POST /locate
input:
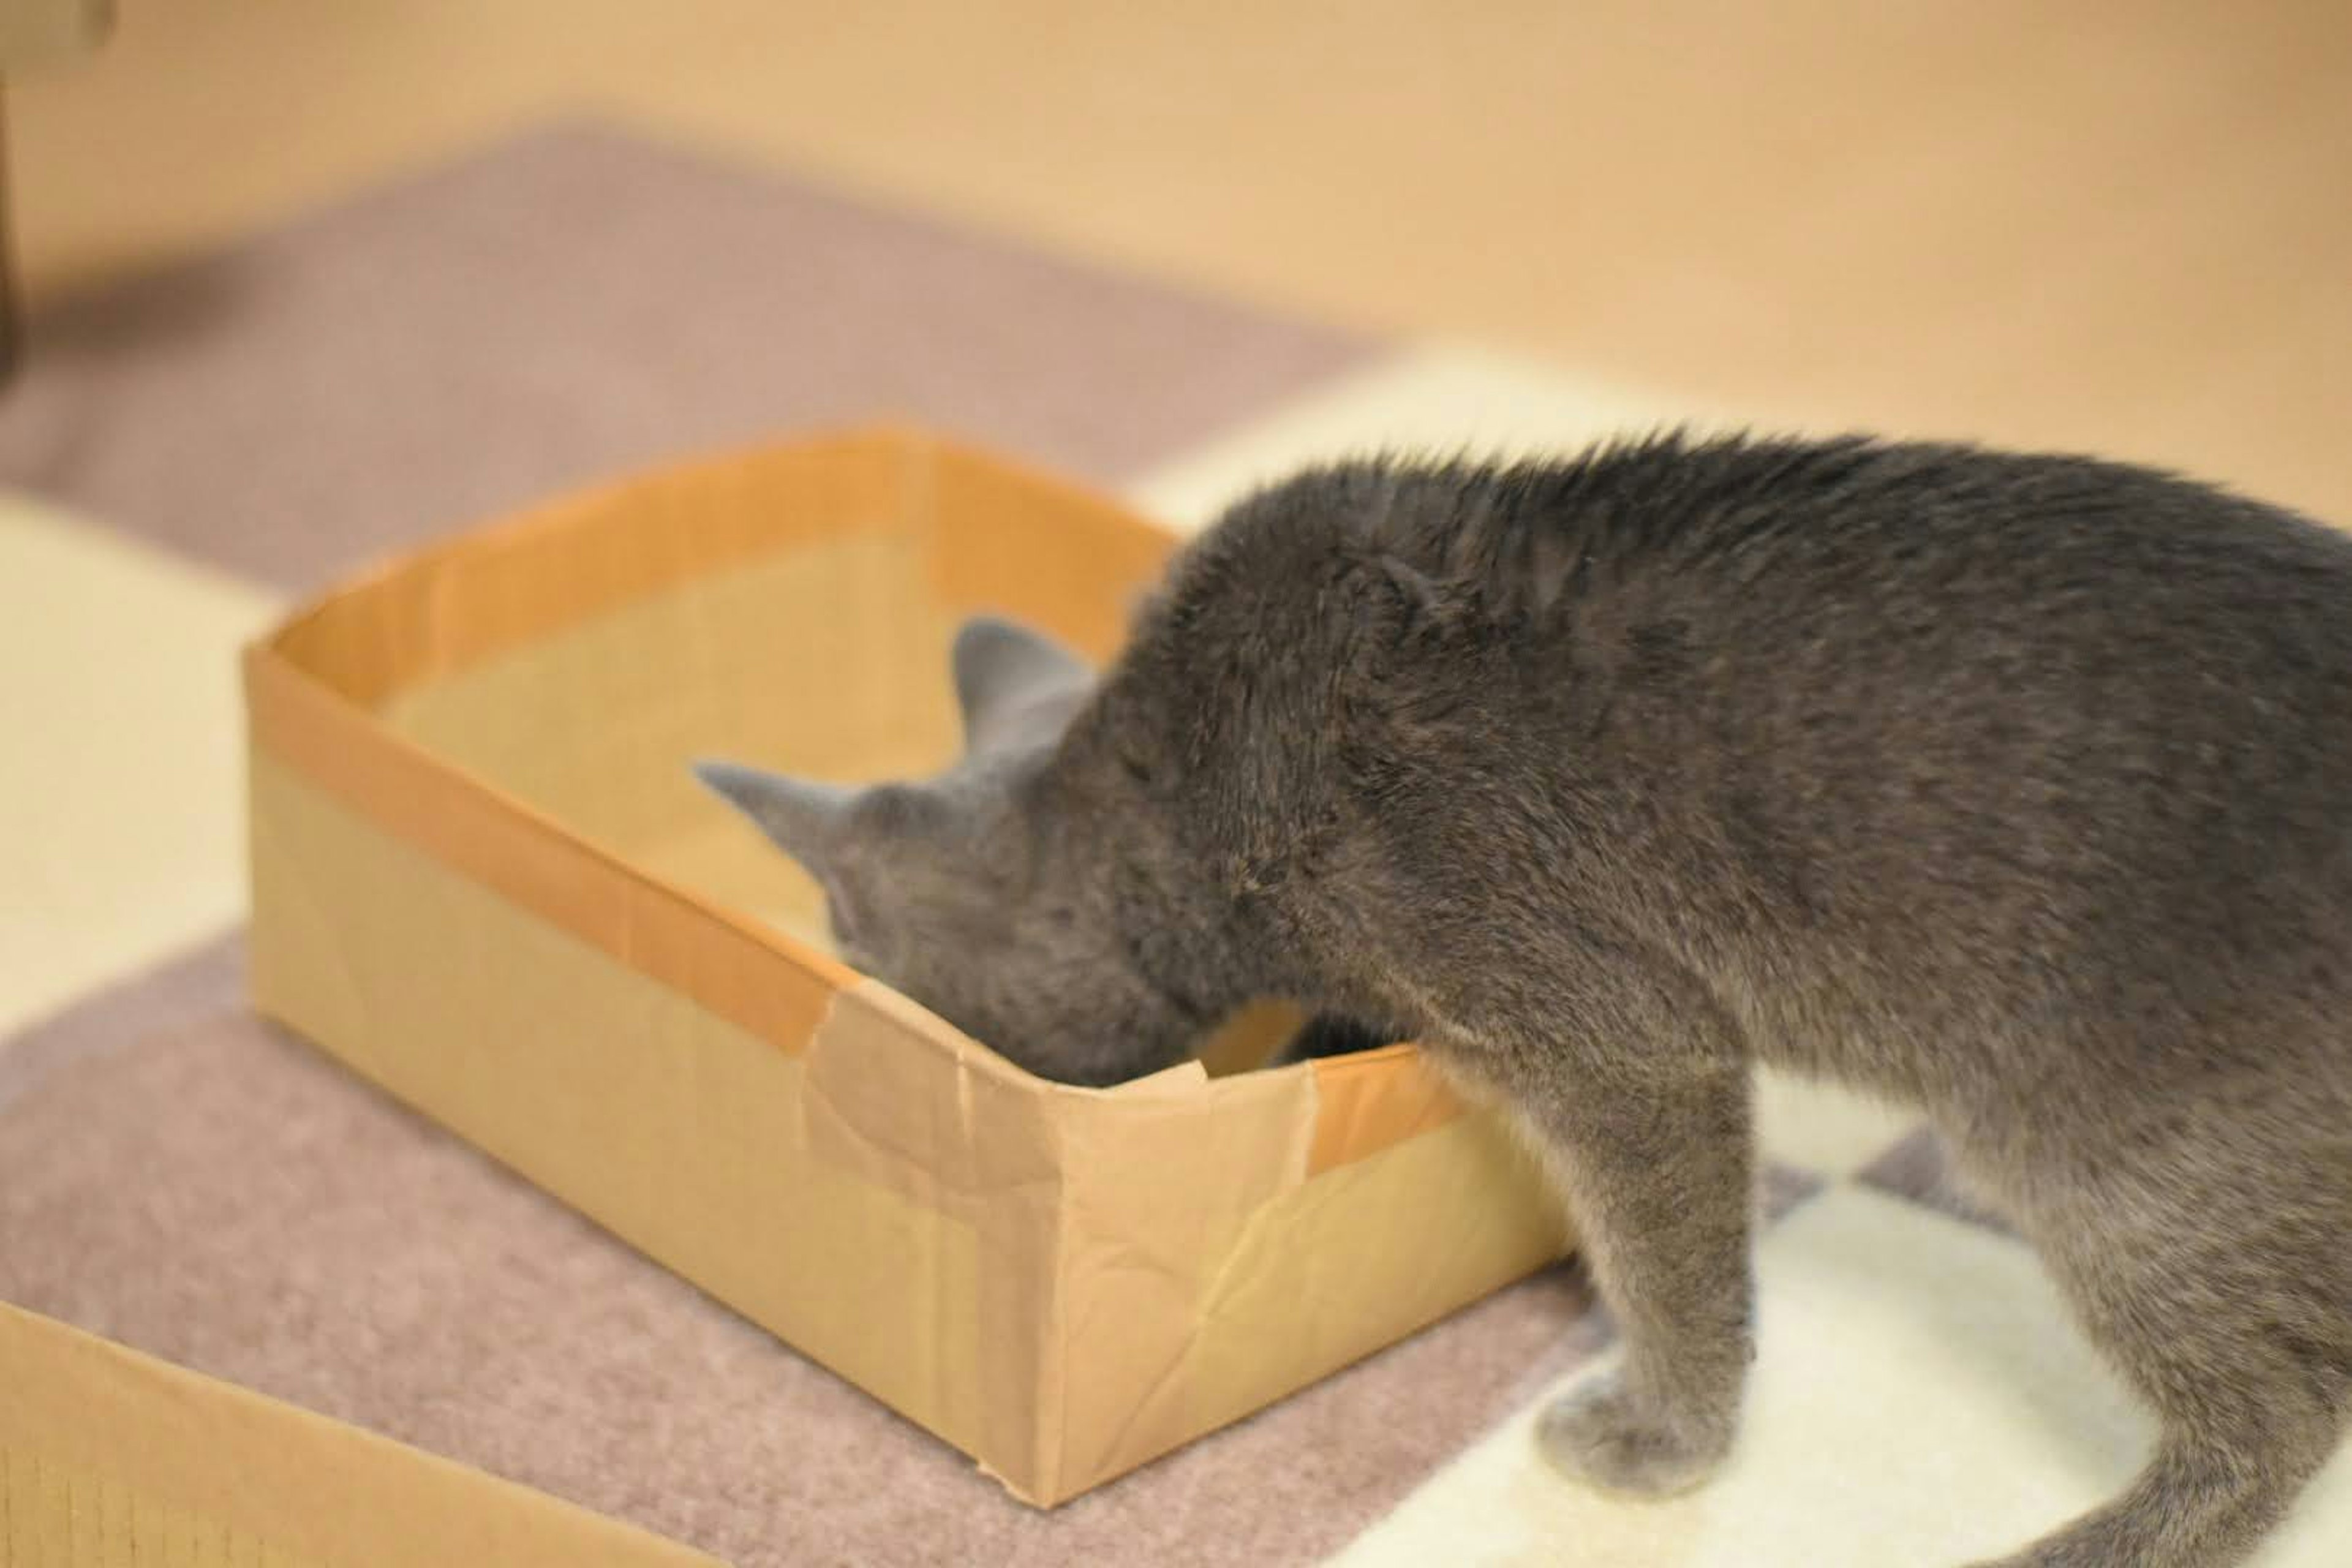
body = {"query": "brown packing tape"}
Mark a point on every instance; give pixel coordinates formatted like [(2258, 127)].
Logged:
[(978, 1144), (425, 616), (108, 1457)]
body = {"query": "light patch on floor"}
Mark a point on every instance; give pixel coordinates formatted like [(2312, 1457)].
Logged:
[(1823, 1127), (1432, 399), (1921, 1397), (120, 776)]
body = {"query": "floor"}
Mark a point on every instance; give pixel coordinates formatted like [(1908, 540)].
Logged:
[(2112, 224), (288, 261)]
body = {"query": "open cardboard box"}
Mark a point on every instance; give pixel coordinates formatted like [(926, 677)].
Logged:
[(484, 878)]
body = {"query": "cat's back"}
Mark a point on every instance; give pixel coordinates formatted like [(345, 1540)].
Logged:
[(1953, 548), (1875, 535), (1915, 587), (1973, 719)]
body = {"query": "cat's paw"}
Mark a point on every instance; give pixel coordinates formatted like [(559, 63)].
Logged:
[(1601, 1435)]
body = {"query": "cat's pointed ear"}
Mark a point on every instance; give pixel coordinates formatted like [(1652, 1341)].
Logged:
[(799, 814), (1005, 673)]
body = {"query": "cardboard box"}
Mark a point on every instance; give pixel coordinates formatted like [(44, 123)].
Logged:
[(484, 878), (110, 1458)]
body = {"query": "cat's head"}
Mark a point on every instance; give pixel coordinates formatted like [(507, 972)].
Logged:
[(991, 893)]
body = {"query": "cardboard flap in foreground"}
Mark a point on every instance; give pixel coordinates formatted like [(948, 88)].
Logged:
[(108, 1457)]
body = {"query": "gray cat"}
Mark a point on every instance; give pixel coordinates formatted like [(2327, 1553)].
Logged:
[(2016, 789)]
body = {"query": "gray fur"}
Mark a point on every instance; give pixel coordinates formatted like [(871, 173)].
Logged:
[(2011, 788), (803, 818), (1015, 689)]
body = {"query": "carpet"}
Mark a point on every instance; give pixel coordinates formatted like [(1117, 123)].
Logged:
[(186, 450)]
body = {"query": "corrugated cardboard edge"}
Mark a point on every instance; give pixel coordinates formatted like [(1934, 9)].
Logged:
[(110, 1457)]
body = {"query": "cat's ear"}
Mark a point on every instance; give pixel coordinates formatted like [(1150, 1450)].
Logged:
[(1004, 673), (802, 816)]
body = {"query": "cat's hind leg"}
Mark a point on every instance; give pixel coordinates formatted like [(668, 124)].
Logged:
[(2221, 1288)]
